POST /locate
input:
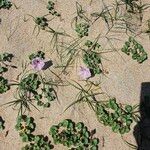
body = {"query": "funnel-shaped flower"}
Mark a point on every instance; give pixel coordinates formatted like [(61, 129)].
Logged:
[(38, 63), (84, 73)]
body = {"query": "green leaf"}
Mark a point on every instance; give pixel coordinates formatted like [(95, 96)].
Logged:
[(53, 129), (94, 148), (65, 123), (129, 122), (87, 134), (115, 128), (25, 138), (122, 130), (79, 125), (128, 108), (47, 105), (95, 142), (85, 141)]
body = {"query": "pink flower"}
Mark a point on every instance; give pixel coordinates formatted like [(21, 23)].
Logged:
[(37, 63), (84, 73)]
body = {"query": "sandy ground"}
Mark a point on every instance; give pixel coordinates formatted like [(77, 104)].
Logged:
[(123, 81)]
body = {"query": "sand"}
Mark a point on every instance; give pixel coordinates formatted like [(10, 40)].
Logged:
[(123, 80)]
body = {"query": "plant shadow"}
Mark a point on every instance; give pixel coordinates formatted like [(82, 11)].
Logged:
[(47, 65), (142, 129)]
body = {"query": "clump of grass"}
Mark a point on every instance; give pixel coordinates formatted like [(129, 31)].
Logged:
[(122, 20), (81, 50), (130, 4), (86, 94), (134, 9), (135, 49), (116, 17), (42, 23), (106, 15), (110, 113), (73, 135), (135, 6), (81, 14), (69, 54), (27, 86), (31, 88)]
